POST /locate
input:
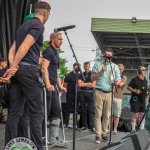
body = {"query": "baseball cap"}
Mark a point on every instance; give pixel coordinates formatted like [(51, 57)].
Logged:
[(142, 68)]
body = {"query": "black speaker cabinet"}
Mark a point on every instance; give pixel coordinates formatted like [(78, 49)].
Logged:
[(140, 140), (128, 143), (114, 146)]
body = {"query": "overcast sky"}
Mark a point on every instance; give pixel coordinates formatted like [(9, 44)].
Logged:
[(79, 13)]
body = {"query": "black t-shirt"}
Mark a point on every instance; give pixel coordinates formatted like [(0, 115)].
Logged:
[(35, 28), (137, 83), (52, 56), (87, 77), (71, 80), (2, 71)]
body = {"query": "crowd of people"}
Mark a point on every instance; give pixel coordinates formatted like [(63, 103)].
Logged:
[(27, 71)]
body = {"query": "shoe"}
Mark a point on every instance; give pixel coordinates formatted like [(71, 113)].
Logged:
[(97, 140), (84, 129), (133, 131), (44, 141), (65, 126), (105, 138), (57, 143), (93, 130), (115, 132)]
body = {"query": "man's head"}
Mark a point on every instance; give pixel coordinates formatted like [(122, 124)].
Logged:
[(56, 40), (121, 68), (87, 66), (42, 10), (142, 71), (3, 62), (75, 67), (108, 53)]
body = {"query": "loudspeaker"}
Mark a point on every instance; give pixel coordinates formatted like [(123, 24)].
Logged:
[(128, 143), (140, 140), (114, 146)]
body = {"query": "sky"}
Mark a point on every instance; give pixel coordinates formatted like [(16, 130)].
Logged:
[(79, 13)]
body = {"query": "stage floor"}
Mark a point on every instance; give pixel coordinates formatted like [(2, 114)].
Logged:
[(84, 140)]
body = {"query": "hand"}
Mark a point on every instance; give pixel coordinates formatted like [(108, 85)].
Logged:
[(138, 91), (6, 76), (50, 87), (13, 71), (104, 68), (63, 89)]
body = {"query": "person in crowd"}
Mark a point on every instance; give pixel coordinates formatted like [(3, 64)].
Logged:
[(70, 84), (105, 73), (117, 101), (49, 69), (3, 96), (25, 83), (86, 98), (138, 88)]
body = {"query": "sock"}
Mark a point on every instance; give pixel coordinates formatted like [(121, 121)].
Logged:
[(133, 126), (142, 126)]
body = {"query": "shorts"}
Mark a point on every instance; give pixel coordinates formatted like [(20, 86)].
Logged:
[(138, 106), (117, 106)]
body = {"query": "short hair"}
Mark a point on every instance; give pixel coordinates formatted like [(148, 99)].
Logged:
[(3, 60), (41, 6), (86, 63), (121, 65), (109, 50), (54, 35), (76, 64)]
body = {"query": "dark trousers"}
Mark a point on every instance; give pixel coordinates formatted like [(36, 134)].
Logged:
[(87, 106), (53, 106), (69, 106), (26, 88), (2, 93)]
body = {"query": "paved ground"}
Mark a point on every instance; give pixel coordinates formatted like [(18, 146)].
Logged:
[(84, 140)]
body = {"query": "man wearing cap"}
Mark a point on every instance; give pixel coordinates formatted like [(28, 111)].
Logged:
[(138, 88)]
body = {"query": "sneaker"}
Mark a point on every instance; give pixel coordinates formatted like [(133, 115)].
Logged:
[(65, 126), (44, 141), (84, 129), (115, 132), (97, 140), (133, 131), (57, 143), (93, 130), (105, 138)]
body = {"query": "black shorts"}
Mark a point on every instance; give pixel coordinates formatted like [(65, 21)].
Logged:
[(138, 106)]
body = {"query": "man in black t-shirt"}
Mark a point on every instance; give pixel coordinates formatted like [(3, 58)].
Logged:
[(138, 87), (86, 98), (70, 84), (49, 68), (25, 85)]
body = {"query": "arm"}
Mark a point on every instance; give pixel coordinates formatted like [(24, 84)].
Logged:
[(23, 49), (11, 54), (133, 90), (63, 89), (45, 75), (94, 77), (89, 84)]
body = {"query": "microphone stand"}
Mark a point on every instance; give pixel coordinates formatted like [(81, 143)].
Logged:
[(113, 85), (76, 90), (146, 110)]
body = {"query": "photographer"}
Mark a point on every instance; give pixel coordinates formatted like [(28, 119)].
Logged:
[(138, 87)]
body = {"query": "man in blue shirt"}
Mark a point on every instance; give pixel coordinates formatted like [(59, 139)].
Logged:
[(24, 58), (105, 73)]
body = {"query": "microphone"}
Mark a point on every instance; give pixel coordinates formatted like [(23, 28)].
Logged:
[(64, 28), (108, 57)]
